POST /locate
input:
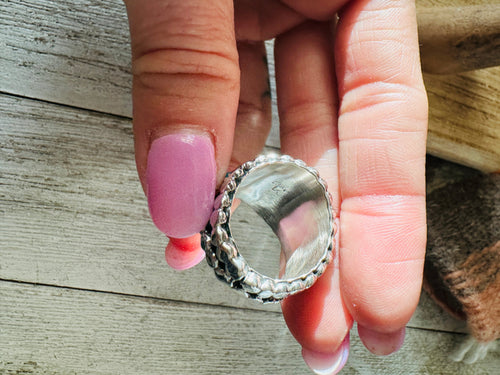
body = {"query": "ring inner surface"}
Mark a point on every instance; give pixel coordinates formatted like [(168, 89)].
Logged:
[(280, 220)]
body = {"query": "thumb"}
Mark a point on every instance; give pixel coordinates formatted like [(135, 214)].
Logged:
[(185, 96)]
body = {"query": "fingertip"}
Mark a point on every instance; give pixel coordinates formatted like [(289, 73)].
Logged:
[(327, 363), (382, 257), (317, 317), (184, 253), (381, 343)]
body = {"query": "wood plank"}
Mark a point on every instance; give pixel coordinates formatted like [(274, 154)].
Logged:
[(55, 330), (70, 52), (73, 214), (50, 330)]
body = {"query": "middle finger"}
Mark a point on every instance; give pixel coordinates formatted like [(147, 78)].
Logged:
[(307, 101)]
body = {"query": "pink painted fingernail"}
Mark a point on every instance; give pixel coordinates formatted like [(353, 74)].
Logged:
[(184, 253), (181, 183), (327, 363), (381, 343)]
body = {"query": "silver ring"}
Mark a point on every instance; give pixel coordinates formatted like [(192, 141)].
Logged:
[(293, 201)]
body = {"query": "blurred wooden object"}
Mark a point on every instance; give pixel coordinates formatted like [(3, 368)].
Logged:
[(464, 118), (458, 39), (464, 108)]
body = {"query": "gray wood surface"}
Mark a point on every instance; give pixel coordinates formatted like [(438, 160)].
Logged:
[(70, 52), (52, 330), (84, 287)]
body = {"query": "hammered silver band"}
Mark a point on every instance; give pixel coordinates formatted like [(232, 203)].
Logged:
[(281, 190)]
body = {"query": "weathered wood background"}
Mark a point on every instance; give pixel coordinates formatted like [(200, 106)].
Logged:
[(83, 284)]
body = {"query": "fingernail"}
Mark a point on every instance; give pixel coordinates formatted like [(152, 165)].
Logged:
[(381, 343), (181, 183), (184, 253), (327, 363)]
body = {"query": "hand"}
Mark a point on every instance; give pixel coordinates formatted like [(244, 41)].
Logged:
[(351, 101)]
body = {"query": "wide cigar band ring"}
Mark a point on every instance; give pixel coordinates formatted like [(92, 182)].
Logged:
[(273, 198)]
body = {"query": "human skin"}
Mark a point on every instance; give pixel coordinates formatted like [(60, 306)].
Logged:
[(351, 102)]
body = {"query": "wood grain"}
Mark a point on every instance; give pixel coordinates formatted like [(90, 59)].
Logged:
[(70, 52), (422, 4), (50, 330), (464, 118), (73, 213), (77, 53)]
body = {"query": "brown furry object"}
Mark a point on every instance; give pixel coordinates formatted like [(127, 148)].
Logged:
[(462, 265)]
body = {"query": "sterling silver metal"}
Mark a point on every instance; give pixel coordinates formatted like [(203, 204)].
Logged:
[(293, 200)]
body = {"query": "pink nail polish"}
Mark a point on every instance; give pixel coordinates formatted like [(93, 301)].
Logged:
[(181, 183), (184, 253), (327, 363), (381, 343)]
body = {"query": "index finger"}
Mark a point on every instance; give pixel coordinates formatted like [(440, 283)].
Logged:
[(185, 96)]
